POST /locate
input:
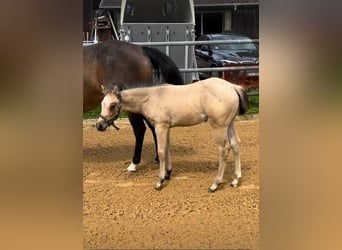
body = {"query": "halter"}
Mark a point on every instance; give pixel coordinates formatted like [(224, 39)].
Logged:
[(110, 122)]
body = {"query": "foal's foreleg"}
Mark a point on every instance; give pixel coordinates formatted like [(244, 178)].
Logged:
[(162, 132), (234, 143), (168, 158)]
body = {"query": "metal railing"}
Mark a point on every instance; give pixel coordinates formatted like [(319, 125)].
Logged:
[(86, 43), (191, 43), (196, 70), (186, 69), (182, 43)]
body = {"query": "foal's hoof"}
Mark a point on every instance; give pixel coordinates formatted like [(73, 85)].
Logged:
[(168, 175), (235, 182), (213, 188), (158, 187)]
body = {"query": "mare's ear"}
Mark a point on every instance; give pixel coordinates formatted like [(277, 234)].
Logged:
[(115, 90)]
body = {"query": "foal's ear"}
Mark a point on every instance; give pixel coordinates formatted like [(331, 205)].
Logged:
[(115, 90), (104, 91)]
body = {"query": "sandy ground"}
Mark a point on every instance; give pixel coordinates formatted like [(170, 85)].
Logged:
[(123, 210)]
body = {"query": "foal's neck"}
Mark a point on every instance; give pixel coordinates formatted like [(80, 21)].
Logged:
[(134, 99)]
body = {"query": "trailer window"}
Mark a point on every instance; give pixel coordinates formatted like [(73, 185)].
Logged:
[(159, 11), (129, 9), (170, 9)]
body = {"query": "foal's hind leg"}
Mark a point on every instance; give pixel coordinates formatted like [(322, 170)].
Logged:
[(220, 136), (139, 129), (234, 142), (168, 158)]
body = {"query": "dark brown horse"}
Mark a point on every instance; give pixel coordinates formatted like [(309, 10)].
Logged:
[(124, 64)]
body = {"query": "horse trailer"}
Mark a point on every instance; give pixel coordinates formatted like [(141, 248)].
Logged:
[(150, 21)]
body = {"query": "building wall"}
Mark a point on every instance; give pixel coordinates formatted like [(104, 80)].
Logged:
[(246, 20), (242, 19), (89, 7), (87, 15)]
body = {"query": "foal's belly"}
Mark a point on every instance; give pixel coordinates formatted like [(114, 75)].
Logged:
[(188, 119)]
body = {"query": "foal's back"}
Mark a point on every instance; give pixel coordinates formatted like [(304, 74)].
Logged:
[(186, 105)]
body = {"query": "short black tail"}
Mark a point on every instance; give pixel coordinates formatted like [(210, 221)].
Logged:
[(243, 99), (165, 68)]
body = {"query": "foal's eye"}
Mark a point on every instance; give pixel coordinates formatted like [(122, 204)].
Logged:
[(112, 106)]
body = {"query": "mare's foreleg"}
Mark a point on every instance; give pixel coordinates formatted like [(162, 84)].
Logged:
[(162, 132), (139, 129), (155, 140), (234, 143), (220, 136)]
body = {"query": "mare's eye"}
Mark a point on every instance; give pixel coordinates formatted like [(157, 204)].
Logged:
[(112, 106)]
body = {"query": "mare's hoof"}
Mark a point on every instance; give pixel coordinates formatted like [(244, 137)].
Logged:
[(132, 167), (211, 190)]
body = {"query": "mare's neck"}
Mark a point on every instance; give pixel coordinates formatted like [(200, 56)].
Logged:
[(133, 99)]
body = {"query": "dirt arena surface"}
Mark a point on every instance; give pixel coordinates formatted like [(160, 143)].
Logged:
[(123, 210)]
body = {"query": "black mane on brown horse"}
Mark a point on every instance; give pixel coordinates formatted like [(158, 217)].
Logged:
[(126, 65)]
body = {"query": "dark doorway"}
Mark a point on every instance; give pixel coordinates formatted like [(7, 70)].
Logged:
[(206, 23)]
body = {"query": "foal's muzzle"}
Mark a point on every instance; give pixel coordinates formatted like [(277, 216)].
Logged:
[(103, 124)]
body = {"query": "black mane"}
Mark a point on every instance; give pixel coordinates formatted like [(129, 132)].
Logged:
[(164, 68)]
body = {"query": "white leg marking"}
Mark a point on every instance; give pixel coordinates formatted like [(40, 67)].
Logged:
[(235, 182), (234, 142), (213, 187), (132, 167)]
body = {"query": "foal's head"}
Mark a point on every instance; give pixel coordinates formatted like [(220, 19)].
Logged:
[(110, 108)]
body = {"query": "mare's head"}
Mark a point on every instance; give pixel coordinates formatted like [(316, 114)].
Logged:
[(110, 108)]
